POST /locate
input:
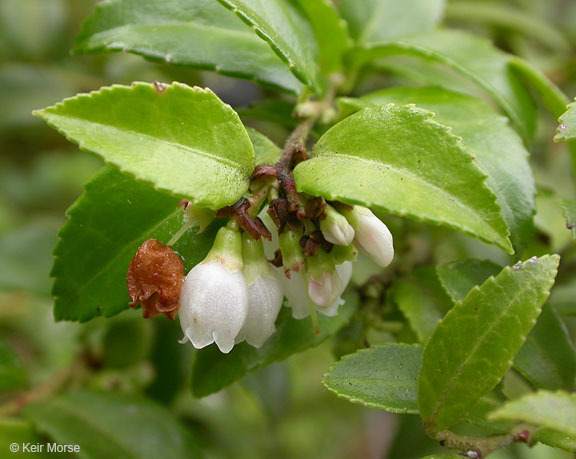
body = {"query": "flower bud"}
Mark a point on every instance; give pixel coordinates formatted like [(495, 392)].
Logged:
[(264, 295), (372, 236), (214, 297), (336, 229), (344, 271), (324, 284)]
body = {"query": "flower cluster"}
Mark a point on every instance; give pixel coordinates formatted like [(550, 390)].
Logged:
[(235, 294)]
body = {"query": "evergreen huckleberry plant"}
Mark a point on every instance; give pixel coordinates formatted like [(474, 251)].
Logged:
[(400, 142)]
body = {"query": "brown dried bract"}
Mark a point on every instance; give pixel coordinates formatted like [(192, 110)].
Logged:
[(154, 279)]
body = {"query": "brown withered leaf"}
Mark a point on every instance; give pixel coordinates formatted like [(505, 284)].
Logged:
[(154, 279)]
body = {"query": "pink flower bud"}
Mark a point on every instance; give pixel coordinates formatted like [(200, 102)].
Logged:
[(372, 236)]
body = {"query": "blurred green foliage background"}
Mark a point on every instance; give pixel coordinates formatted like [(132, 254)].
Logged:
[(282, 411)]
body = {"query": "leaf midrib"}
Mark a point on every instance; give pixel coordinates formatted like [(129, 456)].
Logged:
[(146, 137), (408, 172), (480, 341)]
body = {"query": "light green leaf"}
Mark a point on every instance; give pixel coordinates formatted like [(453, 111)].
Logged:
[(380, 20), (471, 56), (418, 303), (399, 160), (113, 425), (496, 146), (193, 33), (473, 347), (213, 371), (180, 139), (511, 18), (555, 439), (265, 151), (330, 30), (459, 277), (382, 377), (12, 374), (547, 358), (551, 410), (286, 31), (566, 131), (107, 225), (569, 208)]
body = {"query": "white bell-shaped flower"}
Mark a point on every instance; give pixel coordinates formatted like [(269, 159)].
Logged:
[(372, 238), (335, 228), (264, 295), (214, 297)]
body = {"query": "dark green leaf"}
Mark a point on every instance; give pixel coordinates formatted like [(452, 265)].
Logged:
[(474, 58), (265, 151), (180, 139), (113, 425), (193, 33), (382, 377), (551, 410), (212, 370), (107, 224), (459, 277), (20, 432), (380, 20), (400, 160), (286, 31), (473, 347), (548, 359), (495, 145)]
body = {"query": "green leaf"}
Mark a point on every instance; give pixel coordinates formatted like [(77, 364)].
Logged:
[(107, 224), (473, 347), (265, 151), (380, 20), (569, 208), (547, 358), (12, 375), (113, 425), (382, 377), (194, 33), (555, 439), (459, 277), (566, 131), (183, 140), (399, 160), (418, 303), (286, 31), (474, 58), (551, 410), (330, 31), (496, 146), (213, 371)]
